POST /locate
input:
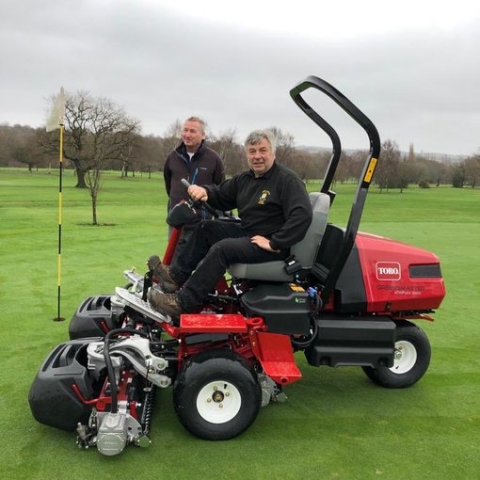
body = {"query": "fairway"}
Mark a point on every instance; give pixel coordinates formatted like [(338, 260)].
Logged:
[(336, 424)]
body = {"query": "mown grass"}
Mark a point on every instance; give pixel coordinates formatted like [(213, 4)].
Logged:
[(335, 424)]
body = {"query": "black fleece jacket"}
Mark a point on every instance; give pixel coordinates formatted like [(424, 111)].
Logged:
[(206, 166), (275, 205)]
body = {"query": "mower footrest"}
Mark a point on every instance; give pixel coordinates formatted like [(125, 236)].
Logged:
[(275, 354), (212, 323)]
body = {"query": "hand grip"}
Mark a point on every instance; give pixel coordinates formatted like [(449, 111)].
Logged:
[(210, 209)]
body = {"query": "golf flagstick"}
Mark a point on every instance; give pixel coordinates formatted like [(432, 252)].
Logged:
[(55, 121)]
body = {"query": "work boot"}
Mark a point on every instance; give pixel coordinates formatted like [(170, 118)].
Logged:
[(165, 303), (162, 273)]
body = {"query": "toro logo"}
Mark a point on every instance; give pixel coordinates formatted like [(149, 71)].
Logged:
[(388, 271)]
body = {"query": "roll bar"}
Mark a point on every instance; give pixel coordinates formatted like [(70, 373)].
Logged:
[(366, 176)]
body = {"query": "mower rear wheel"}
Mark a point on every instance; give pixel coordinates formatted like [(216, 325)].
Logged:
[(217, 395), (411, 359)]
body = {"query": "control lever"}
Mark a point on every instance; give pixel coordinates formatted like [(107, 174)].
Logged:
[(208, 207)]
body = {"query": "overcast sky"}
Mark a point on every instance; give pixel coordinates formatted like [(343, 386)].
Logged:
[(413, 67)]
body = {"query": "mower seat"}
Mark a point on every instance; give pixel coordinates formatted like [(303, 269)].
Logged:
[(304, 251)]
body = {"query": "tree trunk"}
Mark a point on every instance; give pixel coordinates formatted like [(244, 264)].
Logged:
[(94, 210), (80, 172), (93, 182)]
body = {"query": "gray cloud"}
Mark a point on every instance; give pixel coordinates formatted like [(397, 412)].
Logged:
[(419, 87)]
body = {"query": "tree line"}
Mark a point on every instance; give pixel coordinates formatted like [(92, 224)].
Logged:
[(99, 135)]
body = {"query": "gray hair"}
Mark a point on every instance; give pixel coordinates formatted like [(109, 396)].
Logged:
[(201, 121), (257, 136)]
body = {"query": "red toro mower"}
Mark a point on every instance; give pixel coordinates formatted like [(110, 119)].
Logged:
[(342, 298)]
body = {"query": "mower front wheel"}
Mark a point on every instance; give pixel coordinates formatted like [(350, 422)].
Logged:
[(411, 359), (217, 395)]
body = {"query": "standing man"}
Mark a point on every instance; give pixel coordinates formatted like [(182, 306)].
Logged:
[(197, 163), (275, 213)]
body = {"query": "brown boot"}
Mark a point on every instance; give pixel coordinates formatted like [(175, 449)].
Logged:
[(165, 303), (162, 274)]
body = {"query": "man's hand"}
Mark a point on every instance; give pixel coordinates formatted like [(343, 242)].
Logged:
[(197, 194), (264, 243)]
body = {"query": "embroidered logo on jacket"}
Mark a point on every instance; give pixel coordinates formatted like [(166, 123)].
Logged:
[(263, 197)]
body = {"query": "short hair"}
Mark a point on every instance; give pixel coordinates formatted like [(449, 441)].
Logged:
[(257, 136), (199, 120)]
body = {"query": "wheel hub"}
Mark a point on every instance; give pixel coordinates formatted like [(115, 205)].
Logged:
[(219, 402), (218, 397), (404, 358)]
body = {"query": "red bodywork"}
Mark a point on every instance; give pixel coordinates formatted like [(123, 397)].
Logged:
[(248, 337), (387, 268)]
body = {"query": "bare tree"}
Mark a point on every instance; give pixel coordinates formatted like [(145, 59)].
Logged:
[(411, 154), (356, 163), (149, 154), (231, 152), (172, 136), (97, 132), (127, 160), (407, 171), (23, 147), (158, 148), (472, 170), (285, 146), (308, 165), (224, 143), (431, 170), (386, 172)]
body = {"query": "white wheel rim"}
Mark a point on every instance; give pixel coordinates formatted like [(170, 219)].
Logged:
[(219, 402), (405, 357)]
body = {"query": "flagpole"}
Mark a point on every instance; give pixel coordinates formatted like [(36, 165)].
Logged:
[(59, 318), (57, 120)]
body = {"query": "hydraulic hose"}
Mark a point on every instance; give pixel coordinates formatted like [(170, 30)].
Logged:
[(109, 365)]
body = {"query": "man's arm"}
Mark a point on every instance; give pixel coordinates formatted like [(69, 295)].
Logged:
[(298, 214), (167, 177)]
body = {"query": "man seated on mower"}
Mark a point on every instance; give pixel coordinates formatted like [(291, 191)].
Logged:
[(275, 213)]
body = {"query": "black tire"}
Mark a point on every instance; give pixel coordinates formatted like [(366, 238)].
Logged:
[(217, 396), (412, 358)]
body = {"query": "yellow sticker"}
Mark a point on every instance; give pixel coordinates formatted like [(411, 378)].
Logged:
[(371, 168), (296, 288)]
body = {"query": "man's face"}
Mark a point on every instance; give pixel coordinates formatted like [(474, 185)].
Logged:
[(260, 157), (192, 135)]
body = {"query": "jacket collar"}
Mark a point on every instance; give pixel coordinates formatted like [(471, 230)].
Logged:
[(182, 150)]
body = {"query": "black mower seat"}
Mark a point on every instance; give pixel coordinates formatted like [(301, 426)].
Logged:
[(305, 251)]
